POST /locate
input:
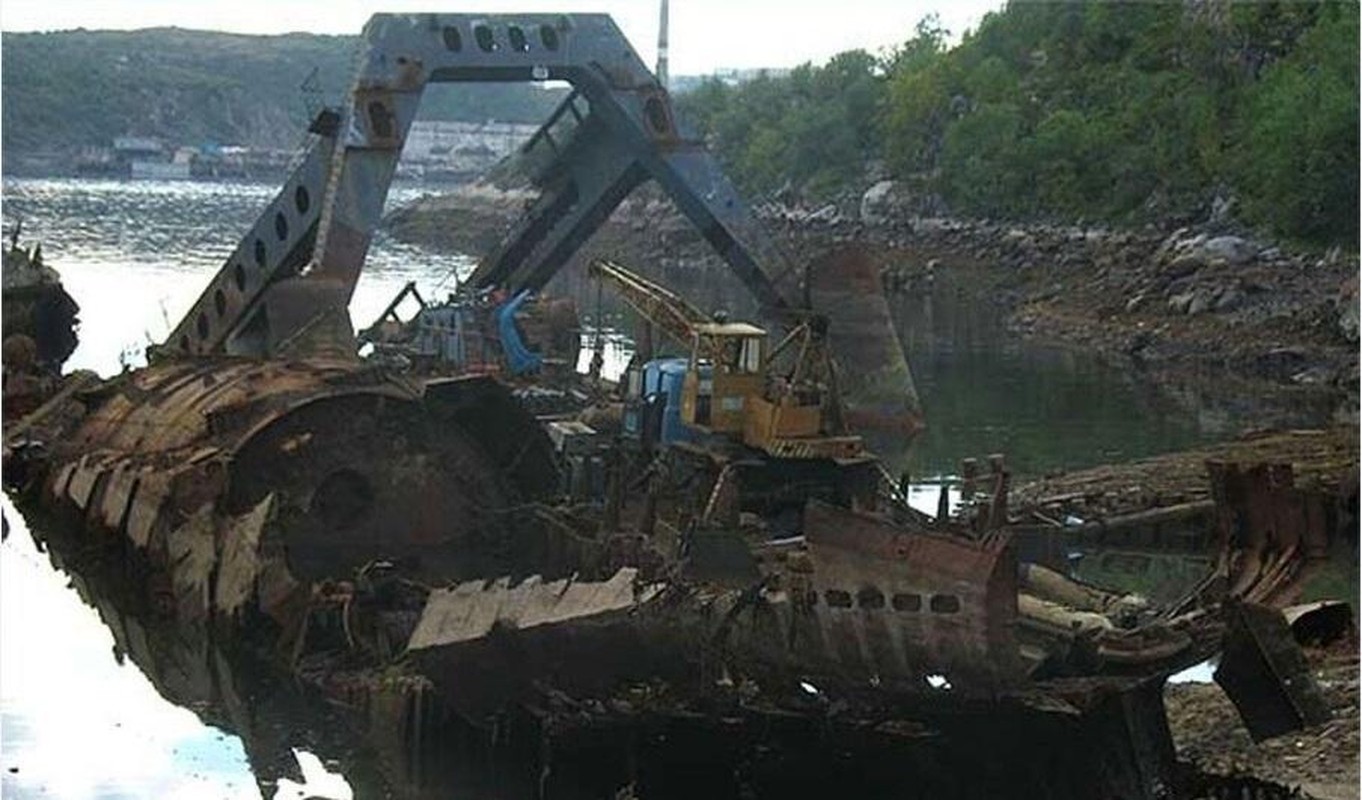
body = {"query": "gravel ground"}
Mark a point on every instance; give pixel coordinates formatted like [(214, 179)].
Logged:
[(1321, 761)]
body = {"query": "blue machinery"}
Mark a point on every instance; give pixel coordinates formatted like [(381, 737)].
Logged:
[(519, 359)]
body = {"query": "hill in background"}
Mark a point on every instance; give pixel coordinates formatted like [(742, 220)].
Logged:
[(71, 89)]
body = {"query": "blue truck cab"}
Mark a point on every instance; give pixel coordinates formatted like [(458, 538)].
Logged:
[(656, 389)]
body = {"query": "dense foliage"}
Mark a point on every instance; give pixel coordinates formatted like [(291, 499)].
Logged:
[(1111, 111), (76, 88)]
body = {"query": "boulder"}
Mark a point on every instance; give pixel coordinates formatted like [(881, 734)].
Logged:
[(878, 204), (1228, 299), (1233, 250), (1346, 302), (1201, 250), (1200, 302)]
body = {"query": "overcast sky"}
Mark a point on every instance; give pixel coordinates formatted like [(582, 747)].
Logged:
[(705, 34)]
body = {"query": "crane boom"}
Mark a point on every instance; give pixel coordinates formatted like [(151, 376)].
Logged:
[(662, 307)]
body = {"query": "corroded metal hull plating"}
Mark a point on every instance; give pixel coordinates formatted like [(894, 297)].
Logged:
[(911, 606), (255, 478)]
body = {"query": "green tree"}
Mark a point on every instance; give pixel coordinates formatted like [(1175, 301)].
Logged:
[(1297, 163)]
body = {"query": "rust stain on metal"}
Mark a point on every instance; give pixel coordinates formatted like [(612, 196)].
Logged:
[(1271, 530), (241, 559)]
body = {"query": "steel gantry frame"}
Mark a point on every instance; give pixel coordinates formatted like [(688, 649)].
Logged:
[(301, 260)]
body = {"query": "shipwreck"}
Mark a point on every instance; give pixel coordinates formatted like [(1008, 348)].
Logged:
[(717, 571)]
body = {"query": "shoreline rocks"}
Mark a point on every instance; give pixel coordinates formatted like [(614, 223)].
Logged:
[(1205, 299)]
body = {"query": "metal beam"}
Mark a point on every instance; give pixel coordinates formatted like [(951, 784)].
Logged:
[(312, 259)]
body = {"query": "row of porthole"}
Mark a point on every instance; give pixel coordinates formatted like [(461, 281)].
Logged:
[(302, 201), (487, 42), (872, 599)]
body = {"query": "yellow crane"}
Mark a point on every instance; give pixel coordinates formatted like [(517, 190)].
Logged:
[(783, 400)]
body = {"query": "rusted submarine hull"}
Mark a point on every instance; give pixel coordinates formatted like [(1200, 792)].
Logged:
[(348, 521), (253, 479), (666, 739)]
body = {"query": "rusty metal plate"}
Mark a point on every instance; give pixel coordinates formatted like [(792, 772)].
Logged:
[(241, 557), (471, 610), (1265, 674), (63, 479), (147, 502), (897, 603), (168, 406), (87, 473), (193, 554), (117, 495)]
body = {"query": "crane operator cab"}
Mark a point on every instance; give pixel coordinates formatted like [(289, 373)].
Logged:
[(726, 370)]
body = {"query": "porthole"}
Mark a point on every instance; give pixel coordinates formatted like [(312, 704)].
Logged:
[(837, 598), (656, 115), (380, 120), (907, 602), (453, 39), (870, 599), (549, 37), (302, 200), (486, 41), (517, 38), (945, 604)]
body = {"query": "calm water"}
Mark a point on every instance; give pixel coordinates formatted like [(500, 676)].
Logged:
[(74, 721), (79, 723)]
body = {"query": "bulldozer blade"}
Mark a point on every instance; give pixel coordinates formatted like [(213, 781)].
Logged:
[(1264, 673)]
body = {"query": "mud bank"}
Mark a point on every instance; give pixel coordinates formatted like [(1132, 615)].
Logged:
[(1199, 310), (1191, 305)]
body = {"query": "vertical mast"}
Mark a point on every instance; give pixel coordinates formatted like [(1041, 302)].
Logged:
[(662, 47)]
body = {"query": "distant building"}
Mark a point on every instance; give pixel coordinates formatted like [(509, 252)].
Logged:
[(160, 170), (134, 147), (461, 147), (728, 76)]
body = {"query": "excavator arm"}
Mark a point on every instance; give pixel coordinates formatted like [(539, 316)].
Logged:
[(300, 262)]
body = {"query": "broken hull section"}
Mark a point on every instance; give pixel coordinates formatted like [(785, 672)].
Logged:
[(348, 523), (251, 480)]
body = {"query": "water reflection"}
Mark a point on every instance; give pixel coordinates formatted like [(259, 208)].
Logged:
[(80, 722), (986, 391), (77, 723), (136, 255)]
